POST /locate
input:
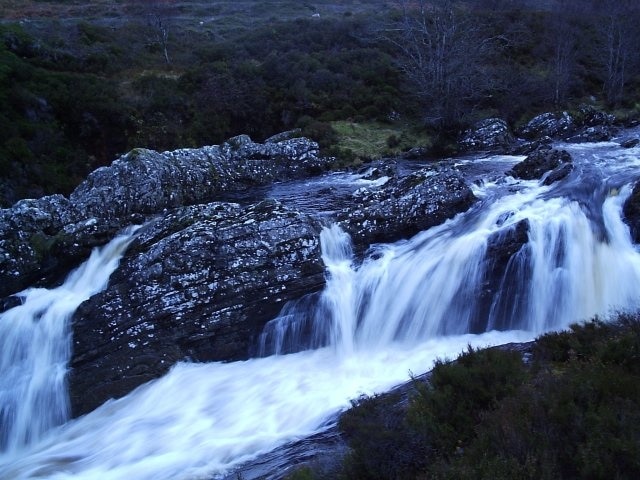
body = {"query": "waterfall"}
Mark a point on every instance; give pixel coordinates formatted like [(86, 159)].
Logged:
[(525, 259), (35, 347), (568, 269)]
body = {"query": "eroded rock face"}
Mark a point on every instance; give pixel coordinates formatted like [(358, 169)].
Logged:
[(404, 207), (490, 134), (557, 163), (40, 240), (198, 284)]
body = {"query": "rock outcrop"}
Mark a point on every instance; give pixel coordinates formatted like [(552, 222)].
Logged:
[(41, 239), (588, 125), (404, 207), (554, 125), (555, 164), (487, 135), (197, 284)]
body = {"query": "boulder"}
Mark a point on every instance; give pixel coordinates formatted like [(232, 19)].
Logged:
[(489, 134), (198, 284), (28, 232), (543, 162), (598, 133), (406, 206), (591, 117), (631, 143), (554, 125), (40, 240)]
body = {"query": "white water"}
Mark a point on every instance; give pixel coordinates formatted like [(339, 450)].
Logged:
[(35, 346), (408, 304)]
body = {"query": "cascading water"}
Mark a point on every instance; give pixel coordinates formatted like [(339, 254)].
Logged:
[(35, 346), (403, 306), (569, 270)]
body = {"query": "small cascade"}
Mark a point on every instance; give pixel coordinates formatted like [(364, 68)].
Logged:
[(35, 348), (568, 267)]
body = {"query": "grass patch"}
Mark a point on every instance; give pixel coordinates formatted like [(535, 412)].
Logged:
[(372, 140)]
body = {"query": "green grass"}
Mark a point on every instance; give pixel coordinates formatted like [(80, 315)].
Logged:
[(373, 140)]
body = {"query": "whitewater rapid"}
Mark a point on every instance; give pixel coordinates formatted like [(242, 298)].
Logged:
[(377, 321)]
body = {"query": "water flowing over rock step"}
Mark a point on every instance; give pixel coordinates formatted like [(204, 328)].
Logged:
[(200, 282)]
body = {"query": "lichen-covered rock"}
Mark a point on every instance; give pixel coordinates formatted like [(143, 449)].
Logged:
[(489, 134), (28, 231), (146, 181), (40, 240), (198, 284), (540, 162), (406, 206), (554, 125)]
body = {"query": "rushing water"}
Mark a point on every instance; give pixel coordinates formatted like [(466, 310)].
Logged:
[(35, 348), (376, 321)]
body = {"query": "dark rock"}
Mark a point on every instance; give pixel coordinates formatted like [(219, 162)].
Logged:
[(539, 163), (549, 124), (377, 170), (632, 142), (199, 284), (631, 212), (502, 246), (489, 134), (9, 302), (588, 116), (598, 133), (558, 173), (406, 206)]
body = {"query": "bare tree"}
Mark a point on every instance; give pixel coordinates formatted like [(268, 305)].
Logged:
[(618, 26), (443, 55), (158, 14), (564, 38)]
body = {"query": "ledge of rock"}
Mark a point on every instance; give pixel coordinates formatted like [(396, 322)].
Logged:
[(198, 284), (40, 240), (403, 207)]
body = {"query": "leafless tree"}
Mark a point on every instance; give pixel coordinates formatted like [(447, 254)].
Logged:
[(159, 13), (443, 55), (618, 26), (564, 38)]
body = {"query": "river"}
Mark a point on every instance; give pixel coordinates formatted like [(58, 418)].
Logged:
[(380, 319)]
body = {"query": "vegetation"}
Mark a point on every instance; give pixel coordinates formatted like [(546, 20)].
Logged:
[(82, 82), (572, 411)]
